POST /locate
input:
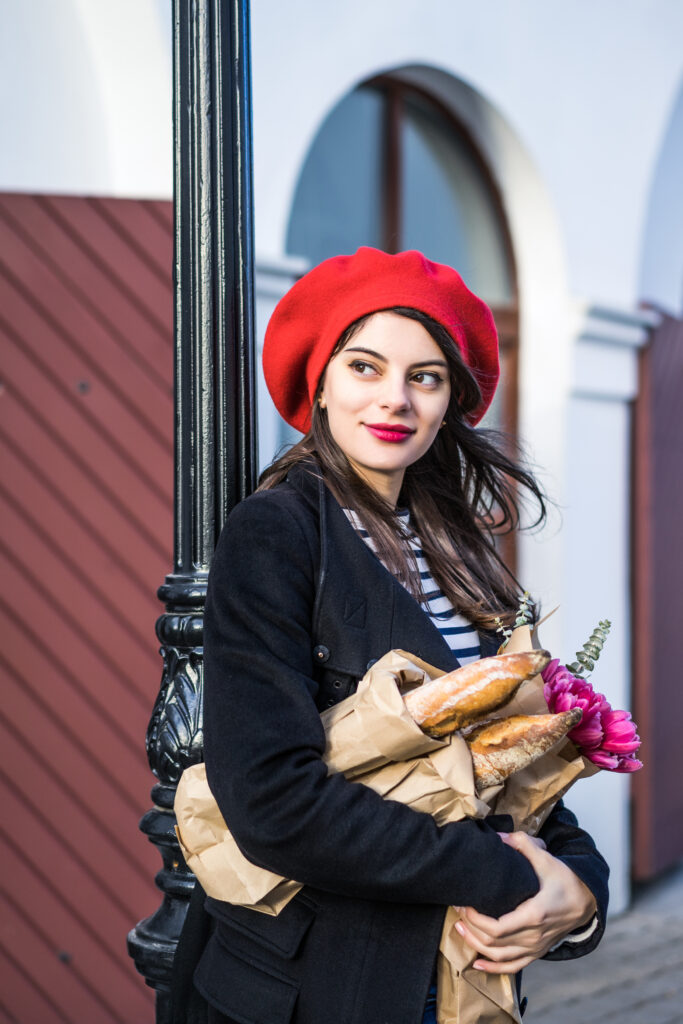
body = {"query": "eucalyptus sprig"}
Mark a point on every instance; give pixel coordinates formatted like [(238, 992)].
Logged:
[(523, 617), (591, 650), (523, 612)]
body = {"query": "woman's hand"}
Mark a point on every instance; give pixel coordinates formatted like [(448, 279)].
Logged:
[(512, 942)]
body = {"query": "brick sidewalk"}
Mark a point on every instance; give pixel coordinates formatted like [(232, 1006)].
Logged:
[(634, 977)]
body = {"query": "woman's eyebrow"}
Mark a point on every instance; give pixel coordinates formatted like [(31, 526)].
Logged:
[(368, 352), (429, 362), (383, 359)]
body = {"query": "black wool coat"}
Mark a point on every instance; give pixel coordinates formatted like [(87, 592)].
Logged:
[(298, 608)]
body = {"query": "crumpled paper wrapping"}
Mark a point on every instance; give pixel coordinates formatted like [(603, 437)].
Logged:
[(372, 739)]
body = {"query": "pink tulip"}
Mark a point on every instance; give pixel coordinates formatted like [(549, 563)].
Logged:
[(628, 764), (606, 737), (603, 760), (620, 733)]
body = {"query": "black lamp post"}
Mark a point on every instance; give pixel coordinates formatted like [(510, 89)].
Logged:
[(215, 436)]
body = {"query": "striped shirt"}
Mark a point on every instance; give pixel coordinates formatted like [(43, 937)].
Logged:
[(459, 634)]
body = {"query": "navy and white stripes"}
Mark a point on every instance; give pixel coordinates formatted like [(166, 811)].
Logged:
[(458, 633)]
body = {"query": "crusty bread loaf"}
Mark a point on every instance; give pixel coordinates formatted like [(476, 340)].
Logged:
[(471, 693), (501, 748)]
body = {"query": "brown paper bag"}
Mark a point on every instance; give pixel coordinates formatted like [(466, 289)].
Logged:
[(370, 729), (372, 739)]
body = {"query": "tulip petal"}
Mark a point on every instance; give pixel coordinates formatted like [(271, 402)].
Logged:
[(603, 760), (606, 736)]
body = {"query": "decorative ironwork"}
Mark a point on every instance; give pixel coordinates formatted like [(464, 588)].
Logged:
[(215, 436), (174, 736)]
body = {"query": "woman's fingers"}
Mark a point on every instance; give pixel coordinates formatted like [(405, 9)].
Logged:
[(524, 843), (497, 960), (538, 843), (496, 953), (499, 929), (562, 903)]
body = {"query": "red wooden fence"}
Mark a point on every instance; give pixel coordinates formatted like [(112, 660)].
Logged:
[(86, 428), (658, 601)]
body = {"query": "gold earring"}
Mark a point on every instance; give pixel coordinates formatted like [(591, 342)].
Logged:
[(442, 425), (322, 403)]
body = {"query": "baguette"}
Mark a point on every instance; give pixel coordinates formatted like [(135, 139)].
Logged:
[(501, 748), (473, 692)]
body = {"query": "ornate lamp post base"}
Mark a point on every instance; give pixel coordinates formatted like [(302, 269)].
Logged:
[(215, 429), (174, 740)]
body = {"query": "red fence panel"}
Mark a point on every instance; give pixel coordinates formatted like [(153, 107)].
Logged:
[(86, 443), (658, 601)]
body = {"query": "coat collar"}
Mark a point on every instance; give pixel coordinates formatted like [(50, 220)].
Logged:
[(409, 617)]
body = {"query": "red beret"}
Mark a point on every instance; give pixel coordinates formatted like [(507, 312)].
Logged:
[(309, 320)]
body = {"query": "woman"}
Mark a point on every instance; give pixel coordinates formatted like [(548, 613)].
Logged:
[(373, 533)]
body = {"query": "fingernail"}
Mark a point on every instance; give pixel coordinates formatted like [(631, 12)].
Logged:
[(478, 966), (459, 928)]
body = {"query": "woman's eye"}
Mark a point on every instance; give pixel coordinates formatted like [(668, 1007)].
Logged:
[(430, 378), (364, 369)]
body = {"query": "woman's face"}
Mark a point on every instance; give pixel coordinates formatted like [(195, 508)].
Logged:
[(386, 394)]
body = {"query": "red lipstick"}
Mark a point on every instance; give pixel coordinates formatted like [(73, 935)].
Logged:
[(393, 433)]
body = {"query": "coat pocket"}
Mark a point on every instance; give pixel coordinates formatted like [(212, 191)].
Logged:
[(281, 934), (245, 991)]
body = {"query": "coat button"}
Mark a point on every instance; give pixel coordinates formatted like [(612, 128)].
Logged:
[(321, 653), (372, 662), (331, 702), (337, 684)]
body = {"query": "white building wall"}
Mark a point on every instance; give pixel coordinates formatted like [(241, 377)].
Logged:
[(86, 97), (586, 89), (596, 536), (661, 271), (579, 113)]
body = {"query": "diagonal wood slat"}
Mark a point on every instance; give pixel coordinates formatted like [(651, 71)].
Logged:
[(53, 344), (61, 469), (63, 986), (56, 566), (25, 999), (70, 532), (86, 479), (35, 385), (91, 290), (88, 663), (60, 305), (150, 245), (68, 805), (118, 261), (79, 940)]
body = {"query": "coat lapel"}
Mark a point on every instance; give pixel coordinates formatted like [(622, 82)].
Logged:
[(380, 608), (411, 629)]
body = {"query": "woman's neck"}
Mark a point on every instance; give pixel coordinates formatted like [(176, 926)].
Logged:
[(386, 485)]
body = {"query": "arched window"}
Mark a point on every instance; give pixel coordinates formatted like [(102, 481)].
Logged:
[(391, 167)]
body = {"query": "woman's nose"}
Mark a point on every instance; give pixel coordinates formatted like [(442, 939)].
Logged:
[(395, 395)]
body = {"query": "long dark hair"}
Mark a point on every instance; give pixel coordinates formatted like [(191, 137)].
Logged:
[(462, 493)]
